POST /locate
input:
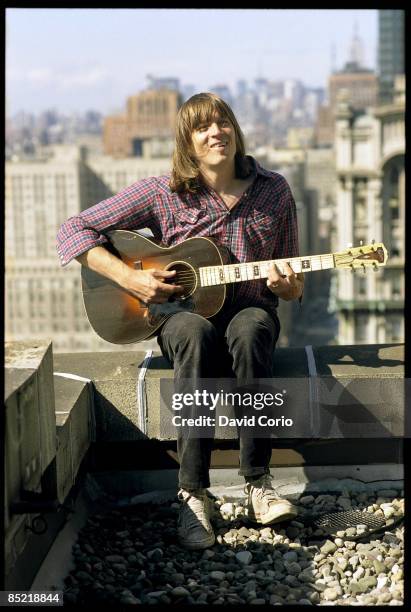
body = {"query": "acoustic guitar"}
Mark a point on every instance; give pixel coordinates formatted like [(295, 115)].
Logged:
[(203, 268)]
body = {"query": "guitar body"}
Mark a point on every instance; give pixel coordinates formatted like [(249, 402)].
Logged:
[(119, 317)]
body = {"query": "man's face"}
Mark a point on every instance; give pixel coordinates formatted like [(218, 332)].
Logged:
[(214, 142)]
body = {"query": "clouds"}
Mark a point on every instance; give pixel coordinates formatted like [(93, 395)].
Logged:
[(60, 79), (96, 58)]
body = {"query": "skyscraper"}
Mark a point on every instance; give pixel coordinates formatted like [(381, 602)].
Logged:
[(391, 34)]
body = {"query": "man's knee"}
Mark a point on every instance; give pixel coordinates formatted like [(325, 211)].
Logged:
[(188, 327), (250, 324)]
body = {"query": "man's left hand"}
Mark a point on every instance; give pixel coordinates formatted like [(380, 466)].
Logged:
[(288, 286)]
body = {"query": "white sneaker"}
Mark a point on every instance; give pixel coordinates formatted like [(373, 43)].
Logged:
[(193, 527), (264, 506)]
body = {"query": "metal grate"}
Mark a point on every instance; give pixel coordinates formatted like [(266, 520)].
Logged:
[(332, 522)]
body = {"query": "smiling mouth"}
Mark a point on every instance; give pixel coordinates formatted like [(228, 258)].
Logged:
[(219, 145)]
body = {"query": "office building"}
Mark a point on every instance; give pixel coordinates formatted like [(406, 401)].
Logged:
[(370, 150), (391, 36)]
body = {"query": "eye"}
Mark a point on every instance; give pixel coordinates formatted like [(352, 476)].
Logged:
[(224, 122), (202, 128)]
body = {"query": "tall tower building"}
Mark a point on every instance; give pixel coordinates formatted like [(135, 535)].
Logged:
[(361, 87), (391, 34), (356, 54)]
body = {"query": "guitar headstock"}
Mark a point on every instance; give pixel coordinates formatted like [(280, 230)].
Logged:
[(365, 256)]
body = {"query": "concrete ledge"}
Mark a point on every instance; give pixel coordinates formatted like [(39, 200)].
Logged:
[(30, 419), (73, 430), (114, 376), (119, 414)]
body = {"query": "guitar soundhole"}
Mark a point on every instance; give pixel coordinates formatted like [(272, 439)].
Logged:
[(185, 276)]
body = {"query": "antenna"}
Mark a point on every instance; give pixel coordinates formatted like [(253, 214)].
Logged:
[(333, 58)]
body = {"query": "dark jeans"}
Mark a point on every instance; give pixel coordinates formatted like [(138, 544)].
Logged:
[(242, 344)]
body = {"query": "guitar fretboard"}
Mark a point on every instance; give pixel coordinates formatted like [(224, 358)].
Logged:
[(235, 273)]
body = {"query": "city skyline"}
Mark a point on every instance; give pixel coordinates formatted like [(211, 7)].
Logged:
[(43, 72)]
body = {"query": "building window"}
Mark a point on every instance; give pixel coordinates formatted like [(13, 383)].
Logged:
[(394, 209), (361, 328), (361, 286), (396, 286), (394, 329)]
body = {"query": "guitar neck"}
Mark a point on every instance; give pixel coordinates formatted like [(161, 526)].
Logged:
[(236, 273)]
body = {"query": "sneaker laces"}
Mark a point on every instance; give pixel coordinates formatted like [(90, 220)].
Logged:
[(262, 487), (194, 509)]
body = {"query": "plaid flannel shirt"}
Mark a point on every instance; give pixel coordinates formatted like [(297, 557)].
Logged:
[(262, 225)]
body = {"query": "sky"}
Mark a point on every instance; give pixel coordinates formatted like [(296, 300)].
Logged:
[(75, 60)]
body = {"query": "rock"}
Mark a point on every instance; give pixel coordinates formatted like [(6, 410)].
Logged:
[(367, 583), (129, 600), (155, 555), (384, 598), (227, 508), (321, 499), (244, 557), (328, 547), (114, 559), (207, 554), (244, 532), (382, 581), (358, 573), (344, 503), (180, 591), (266, 532), (290, 556), (276, 599), (330, 594), (156, 594), (178, 578), (342, 563), (306, 500), (217, 575), (350, 532), (389, 512), (292, 568), (84, 576)]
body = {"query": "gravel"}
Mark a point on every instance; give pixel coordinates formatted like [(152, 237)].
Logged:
[(131, 556)]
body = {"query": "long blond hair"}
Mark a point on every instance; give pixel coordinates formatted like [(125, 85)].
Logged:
[(200, 108)]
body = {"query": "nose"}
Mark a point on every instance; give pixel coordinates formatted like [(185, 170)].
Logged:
[(215, 128)]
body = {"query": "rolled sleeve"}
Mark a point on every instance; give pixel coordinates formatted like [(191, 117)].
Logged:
[(131, 208)]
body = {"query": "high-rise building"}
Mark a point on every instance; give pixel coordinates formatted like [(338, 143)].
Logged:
[(370, 148), (149, 114), (44, 300), (223, 91), (391, 35), (360, 84), (163, 83)]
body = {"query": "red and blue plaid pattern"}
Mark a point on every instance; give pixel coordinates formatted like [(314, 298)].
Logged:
[(261, 226)]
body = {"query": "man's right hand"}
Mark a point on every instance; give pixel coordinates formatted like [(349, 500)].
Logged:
[(149, 286)]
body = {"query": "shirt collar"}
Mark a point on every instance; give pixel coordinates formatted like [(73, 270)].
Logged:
[(257, 169)]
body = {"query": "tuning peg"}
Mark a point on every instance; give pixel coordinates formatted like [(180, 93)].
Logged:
[(361, 243), (373, 241), (363, 268), (349, 245), (375, 267)]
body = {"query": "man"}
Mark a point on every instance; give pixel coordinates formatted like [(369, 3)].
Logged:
[(215, 190)]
